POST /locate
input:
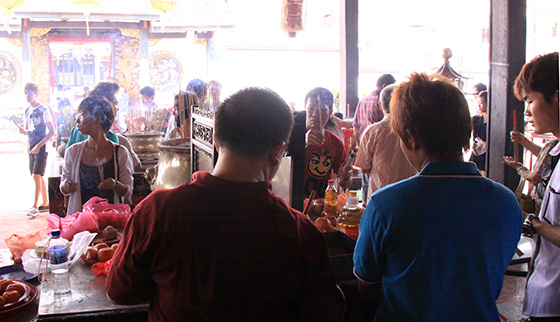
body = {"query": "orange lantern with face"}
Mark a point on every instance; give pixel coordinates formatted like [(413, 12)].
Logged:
[(320, 165)]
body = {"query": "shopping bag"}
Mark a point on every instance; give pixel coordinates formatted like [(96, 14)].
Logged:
[(19, 244), (107, 214)]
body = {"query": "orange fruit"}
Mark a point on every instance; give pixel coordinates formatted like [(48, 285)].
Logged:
[(16, 287), (11, 296)]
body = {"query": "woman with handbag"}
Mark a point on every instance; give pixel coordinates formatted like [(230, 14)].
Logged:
[(96, 166)]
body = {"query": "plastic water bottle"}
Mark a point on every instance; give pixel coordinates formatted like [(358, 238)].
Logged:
[(58, 255)]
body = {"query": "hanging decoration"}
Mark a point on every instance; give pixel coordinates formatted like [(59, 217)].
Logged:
[(87, 5), (164, 6), (9, 5), (292, 16)]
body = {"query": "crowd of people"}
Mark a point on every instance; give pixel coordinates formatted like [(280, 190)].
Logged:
[(435, 239)]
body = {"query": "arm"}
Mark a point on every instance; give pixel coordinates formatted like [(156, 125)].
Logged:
[(364, 156), (546, 230), (67, 184), (48, 136), (341, 123), (517, 137), (128, 280), (532, 176)]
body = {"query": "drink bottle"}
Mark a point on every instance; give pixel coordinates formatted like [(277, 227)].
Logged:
[(331, 200), (350, 216), (58, 255)]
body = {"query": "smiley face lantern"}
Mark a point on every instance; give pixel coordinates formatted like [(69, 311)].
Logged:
[(319, 165)]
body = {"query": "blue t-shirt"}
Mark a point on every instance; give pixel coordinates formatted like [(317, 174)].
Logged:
[(76, 136), (440, 243)]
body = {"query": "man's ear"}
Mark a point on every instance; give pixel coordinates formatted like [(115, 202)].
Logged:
[(410, 142), (275, 153), (216, 142)]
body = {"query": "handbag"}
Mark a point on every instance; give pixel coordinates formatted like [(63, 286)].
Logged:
[(526, 202)]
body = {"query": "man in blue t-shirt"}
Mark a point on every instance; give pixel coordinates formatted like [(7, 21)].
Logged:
[(435, 246), (39, 128)]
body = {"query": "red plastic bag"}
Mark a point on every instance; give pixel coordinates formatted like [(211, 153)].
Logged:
[(101, 268), (19, 244), (107, 214), (73, 224)]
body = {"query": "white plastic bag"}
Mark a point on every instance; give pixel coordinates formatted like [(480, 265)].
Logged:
[(79, 245)]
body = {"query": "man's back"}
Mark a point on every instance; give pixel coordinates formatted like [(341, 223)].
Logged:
[(217, 250), (442, 242), (380, 153)]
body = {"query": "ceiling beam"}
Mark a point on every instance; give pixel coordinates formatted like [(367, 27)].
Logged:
[(82, 25), (80, 15)]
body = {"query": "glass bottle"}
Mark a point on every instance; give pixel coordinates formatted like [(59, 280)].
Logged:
[(58, 255), (350, 216), (331, 200)]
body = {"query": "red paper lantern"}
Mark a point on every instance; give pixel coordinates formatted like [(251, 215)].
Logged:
[(292, 16)]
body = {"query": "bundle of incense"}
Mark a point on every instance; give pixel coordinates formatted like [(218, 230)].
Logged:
[(515, 145)]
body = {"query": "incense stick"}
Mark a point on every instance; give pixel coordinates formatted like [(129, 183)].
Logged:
[(515, 145), (16, 123), (100, 168)]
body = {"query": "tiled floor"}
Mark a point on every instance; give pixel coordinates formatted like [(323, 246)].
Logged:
[(17, 196)]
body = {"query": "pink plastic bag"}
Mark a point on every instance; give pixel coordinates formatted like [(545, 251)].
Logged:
[(107, 214), (73, 224)]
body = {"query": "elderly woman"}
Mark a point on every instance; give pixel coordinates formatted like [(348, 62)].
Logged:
[(435, 246), (96, 166)]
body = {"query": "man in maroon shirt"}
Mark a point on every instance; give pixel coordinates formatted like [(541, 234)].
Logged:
[(224, 247)]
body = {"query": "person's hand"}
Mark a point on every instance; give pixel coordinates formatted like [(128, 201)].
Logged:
[(480, 146), (528, 229), (536, 223), (314, 137), (69, 186), (35, 149), (517, 137), (107, 184), (509, 161), (345, 171)]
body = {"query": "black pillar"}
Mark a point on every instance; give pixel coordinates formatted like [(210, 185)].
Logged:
[(349, 53), (507, 57)]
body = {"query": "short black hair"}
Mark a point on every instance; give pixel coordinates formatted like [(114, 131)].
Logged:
[(324, 95), (31, 87), (100, 108), (385, 79), (539, 75), (253, 120), (199, 87), (148, 91), (106, 89), (479, 87)]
